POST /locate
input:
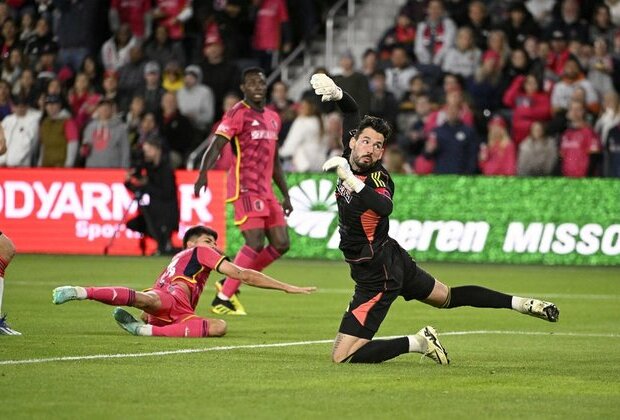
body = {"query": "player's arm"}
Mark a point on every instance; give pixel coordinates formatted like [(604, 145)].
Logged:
[(208, 161), (258, 279), (377, 200), (280, 180), (325, 87)]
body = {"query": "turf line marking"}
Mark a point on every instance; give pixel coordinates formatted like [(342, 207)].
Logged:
[(272, 345), (336, 291)]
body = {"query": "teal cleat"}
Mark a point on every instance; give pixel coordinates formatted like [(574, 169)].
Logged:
[(127, 321), (64, 294)]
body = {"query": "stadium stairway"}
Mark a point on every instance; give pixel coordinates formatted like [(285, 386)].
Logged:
[(371, 19)]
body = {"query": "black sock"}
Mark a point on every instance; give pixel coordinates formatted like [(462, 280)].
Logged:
[(378, 351), (479, 297)]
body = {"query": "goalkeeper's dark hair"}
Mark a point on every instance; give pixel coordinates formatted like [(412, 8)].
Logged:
[(378, 124), (196, 231), (251, 70)]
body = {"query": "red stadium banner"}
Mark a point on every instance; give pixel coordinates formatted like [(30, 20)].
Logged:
[(78, 211)]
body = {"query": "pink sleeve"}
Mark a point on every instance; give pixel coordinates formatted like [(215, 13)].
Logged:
[(71, 131), (231, 124), (209, 257), (510, 96)]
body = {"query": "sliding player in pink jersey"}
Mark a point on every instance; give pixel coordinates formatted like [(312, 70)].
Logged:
[(169, 306), (252, 131)]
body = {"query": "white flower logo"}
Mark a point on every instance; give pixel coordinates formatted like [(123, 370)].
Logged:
[(315, 207)]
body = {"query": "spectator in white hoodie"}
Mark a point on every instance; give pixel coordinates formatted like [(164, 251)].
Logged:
[(115, 51), (196, 101), (21, 129), (305, 144)]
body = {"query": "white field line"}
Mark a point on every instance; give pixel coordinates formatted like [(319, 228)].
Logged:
[(335, 291), (263, 346)]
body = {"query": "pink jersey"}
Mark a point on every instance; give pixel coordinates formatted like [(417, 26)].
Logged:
[(192, 266), (254, 137), (576, 145)]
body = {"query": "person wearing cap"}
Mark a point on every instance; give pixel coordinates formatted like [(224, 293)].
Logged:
[(559, 52), (159, 216), (196, 101), (498, 156), (58, 135), (105, 143), (21, 130), (219, 73), (152, 90)]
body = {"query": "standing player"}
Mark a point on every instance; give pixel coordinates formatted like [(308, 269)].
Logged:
[(382, 269), (169, 306), (7, 252), (253, 131)]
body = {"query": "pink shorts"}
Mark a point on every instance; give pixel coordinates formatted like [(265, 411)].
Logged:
[(254, 212), (175, 307)]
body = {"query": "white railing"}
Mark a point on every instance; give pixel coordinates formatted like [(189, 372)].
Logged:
[(329, 30)]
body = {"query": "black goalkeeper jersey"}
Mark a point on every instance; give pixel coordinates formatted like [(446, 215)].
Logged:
[(362, 217)]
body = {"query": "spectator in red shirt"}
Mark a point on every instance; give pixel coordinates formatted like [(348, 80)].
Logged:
[(498, 156), (438, 117), (82, 100), (579, 144), (172, 14), (136, 13), (271, 31), (402, 33), (528, 104)]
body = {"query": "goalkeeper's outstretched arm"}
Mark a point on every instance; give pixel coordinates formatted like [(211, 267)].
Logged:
[(325, 87)]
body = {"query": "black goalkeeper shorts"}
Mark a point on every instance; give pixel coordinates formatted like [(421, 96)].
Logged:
[(369, 305)]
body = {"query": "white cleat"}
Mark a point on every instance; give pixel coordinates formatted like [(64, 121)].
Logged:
[(541, 309), (434, 349)]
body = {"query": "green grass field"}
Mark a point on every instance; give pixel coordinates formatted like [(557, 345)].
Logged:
[(504, 364)]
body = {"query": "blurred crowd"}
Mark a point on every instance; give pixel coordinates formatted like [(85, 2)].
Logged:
[(470, 86), (83, 83), (485, 87)]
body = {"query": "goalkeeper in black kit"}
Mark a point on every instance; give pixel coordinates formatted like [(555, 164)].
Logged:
[(381, 268)]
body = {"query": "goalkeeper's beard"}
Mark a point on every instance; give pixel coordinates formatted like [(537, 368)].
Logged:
[(361, 166)]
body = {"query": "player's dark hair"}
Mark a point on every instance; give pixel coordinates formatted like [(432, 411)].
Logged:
[(251, 70), (197, 231), (378, 124)]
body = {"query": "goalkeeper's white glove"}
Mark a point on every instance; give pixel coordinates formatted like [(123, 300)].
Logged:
[(325, 87), (340, 164)]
